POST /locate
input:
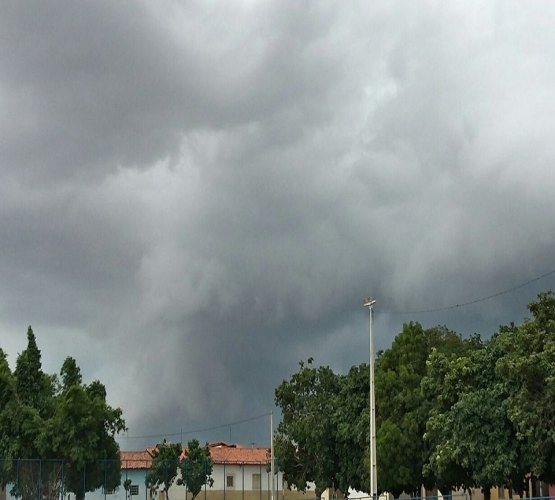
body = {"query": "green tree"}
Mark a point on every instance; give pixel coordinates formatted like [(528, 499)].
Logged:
[(196, 468), (473, 440), (401, 408), (69, 422), (305, 440), (23, 422), (324, 433), (7, 381), (528, 366), (70, 373), (351, 417), (493, 424), (165, 463), (82, 430), (34, 388), (7, 405)]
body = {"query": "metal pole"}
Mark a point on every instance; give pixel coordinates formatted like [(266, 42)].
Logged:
[(373, 469), (105, 475), (205, 474), (272, 452), (277, 483)]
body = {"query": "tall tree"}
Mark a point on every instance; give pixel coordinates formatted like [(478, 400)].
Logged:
[(494, 424), (7, 381), (69, 424), (352, 421), (82, 431), (25, 420), (7, 406), (306, 437), (473, 440), (402, 410), (33, 386), (528, 366), (70, 373), (196, 468), (165, 463)]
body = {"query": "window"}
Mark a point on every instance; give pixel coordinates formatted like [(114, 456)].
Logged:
[(229, 481), (256, 482), (134, 489), (108, 491), (501, 492)]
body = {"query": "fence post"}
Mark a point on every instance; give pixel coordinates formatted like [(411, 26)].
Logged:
[(277, 482), (104, 488), (17, 477), (62, 489), (39, 489)]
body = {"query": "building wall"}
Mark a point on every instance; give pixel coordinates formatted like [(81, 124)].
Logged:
[(247, 495), (243, 483), (137, 478), (245, 486), (242, 475)]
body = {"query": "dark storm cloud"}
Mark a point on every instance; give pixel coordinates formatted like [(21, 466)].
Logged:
[(96, 85), (194, 197)]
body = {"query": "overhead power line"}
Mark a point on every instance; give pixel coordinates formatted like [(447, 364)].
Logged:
[(475, 301), (196, 431)]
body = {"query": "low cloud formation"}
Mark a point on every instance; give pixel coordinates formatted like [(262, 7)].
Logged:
[(195, 196)]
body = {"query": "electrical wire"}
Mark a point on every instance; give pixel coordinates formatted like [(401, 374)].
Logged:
[(196, 431), (471, 302)]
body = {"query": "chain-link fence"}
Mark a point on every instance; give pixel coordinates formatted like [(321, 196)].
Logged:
[(128, 480), (44, 479)]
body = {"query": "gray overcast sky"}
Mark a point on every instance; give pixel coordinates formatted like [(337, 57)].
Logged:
[(194, 196)]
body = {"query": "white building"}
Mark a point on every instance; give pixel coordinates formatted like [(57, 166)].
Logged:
[(239, 473)]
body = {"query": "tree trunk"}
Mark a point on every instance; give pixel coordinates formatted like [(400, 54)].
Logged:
[(487, 492)]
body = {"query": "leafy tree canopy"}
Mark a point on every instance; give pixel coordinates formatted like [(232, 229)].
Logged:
[(196, 467), (70, 422), (528, 366), (402, 409), (472, 439), (494, 416), (306, 438), (165, 463)]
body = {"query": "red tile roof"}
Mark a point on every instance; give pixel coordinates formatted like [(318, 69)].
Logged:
[(221, 453), (232, 454), (135, 459)]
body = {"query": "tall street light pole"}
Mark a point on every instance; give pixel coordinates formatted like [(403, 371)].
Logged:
[(369, 302)]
